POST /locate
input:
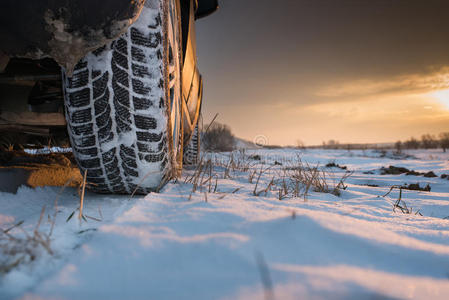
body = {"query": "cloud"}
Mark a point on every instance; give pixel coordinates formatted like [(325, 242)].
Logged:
[(418, 83)]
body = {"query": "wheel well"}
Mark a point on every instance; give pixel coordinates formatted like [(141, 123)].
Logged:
[(185, 23)]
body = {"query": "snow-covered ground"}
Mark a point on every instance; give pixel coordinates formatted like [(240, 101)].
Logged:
[(224, 242)]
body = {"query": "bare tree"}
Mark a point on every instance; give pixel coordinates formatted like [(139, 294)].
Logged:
[(412, 143), (444, 140), (398, 146), (428, 141)]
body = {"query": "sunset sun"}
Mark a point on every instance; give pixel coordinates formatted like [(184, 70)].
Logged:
[(442, 96)]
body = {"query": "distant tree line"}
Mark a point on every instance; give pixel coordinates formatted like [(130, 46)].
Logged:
[(427, 141), (334, 144)]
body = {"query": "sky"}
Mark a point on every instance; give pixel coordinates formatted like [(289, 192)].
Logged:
[(359, 71)]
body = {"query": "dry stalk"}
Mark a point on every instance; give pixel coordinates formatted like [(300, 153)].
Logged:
[(236, 190), (400, 203), (83, 188), (257, 182)]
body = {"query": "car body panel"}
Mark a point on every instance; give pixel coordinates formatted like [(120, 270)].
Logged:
[(65, 30)]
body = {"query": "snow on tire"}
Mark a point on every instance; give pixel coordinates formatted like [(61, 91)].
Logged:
[(119, 106)]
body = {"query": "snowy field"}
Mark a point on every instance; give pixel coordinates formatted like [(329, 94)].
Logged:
[(260, 224)]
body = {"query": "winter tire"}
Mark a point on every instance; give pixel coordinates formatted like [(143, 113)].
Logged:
[(192, 149), (122, 105)]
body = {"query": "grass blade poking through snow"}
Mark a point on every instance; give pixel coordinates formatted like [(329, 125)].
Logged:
[(83, 188)]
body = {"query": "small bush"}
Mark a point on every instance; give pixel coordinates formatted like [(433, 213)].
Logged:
[(218, 138)]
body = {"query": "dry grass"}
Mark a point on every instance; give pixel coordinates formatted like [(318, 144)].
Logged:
[(289, 179), (301, 178), (17, 246)]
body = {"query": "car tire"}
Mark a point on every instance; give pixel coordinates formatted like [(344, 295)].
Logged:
[(122, 105), (193, 148)]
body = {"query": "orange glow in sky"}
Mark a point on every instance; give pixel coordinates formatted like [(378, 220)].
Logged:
[(356, 111), (352, 71)]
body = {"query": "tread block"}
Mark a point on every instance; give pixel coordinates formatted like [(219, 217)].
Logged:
[(104, 133), (129, 171), (122, 111), (122, 120), (102, 104), (95, 173), (114, 178), (121, 45), (137, 54), (151, 158), (119, 189), (104, 121), (112, 167), (145, 123), (142, 103), (84, 141), (121, 95), (84, 129), (150, 40), (116, 181), (96, 73), (108, 156), (93, 152), (100, 85), (129, 151), (79, 98), (106, 138), (130, 162), (119, 75), (147, 148), (119, 59), (81, 116), (148, 136), (90, 163), (139, 87), (141, 71), (79, 79)]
